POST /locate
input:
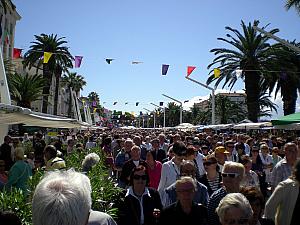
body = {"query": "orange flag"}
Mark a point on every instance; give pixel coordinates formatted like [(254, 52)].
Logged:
[(190, 69)]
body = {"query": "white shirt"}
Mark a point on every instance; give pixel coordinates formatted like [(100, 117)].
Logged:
[(199, 160)]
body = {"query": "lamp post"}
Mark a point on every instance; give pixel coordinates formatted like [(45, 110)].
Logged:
[(153, 117), (213, 106), (164, 112), (287, 44), (180, 119)]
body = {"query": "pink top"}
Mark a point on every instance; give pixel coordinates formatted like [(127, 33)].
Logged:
[(154, 175)]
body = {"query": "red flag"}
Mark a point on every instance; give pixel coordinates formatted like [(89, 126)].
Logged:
[(17, 53), (190, 69)]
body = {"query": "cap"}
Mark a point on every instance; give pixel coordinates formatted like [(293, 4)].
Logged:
[(221, 149)]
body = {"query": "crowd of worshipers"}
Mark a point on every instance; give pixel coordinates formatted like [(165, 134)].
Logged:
[(167, 178)]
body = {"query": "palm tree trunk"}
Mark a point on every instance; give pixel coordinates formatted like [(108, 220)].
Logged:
[(252, 91), (58, 72), (289, 96), (70, 103), (46, 90)]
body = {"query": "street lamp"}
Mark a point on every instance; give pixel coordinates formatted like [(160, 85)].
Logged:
[(284, 42), (180, 119), (164, 113), (213, 104)]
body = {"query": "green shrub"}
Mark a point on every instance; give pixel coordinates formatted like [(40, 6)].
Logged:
[(105, 194)]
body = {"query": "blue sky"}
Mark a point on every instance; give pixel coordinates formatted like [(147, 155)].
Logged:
[(156, 32)]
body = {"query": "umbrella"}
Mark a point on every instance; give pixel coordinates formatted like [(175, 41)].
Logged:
[(289, 119)]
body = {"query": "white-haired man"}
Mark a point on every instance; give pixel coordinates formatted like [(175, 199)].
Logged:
[(64, 198), (232, 174)]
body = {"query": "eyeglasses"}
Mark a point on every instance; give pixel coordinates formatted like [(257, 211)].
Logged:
[(138, 177), (242, 221), (231, 175), (208, 163)]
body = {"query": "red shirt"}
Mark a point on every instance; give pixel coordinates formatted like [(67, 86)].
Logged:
[(154, 175)]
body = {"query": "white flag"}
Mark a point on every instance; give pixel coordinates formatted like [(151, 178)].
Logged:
[(238, 73)]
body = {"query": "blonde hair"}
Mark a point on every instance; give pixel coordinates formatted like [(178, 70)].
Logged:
[(19, 153)]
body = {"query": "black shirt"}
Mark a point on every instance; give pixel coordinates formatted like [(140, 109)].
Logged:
[(174, 215)]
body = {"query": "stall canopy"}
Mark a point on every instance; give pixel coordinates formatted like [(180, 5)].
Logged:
[(289, 119), (11, 114), (250, 126)]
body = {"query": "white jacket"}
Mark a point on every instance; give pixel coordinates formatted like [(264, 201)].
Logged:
[(281, 204)]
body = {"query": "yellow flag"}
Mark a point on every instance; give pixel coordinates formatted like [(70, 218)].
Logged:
[(95, 109), (217, 73), (47, 56), (133, 113)]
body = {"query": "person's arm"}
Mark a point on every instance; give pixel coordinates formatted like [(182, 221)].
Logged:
[(13, 176), (274, 201)]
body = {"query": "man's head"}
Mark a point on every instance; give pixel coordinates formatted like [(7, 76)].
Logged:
[(232, 174), (188, 168), (179, 150), (135, 153), (128, 145), (155, 143), (7, 139), (291, 152), (229, 145), (161, 138), (137, 140), (50, 152), (185, 190), (62, 198), (221, 154)]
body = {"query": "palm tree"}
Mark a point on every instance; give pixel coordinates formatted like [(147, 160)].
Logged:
[(25, 89), (60, 60), (172, 114), (226, 110), (250, 53), (74, 82), (293, 3), (287, 80), (266, 105)]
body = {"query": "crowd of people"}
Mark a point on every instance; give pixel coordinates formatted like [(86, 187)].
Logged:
[(169, 177)]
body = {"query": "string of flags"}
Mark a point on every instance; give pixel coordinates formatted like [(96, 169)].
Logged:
[(164, 70)]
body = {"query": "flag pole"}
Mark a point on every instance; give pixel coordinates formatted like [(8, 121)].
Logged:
[(213, 104)]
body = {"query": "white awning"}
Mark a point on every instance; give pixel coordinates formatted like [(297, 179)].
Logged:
[(11, 114)]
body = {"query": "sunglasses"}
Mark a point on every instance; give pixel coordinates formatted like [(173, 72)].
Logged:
[(138, 177), (231, 175), (208, 163)]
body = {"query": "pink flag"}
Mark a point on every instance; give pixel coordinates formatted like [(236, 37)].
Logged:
[(190, 69), (78, 60)]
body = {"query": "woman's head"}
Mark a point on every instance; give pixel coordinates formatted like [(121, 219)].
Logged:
[(139, 177), (19, 153), (234, 208), (210, 163), (150, 157)]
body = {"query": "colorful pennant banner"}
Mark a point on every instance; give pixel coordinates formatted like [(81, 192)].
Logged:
[(190, 69), (47, 56), (164, 69), (78, 60), (217, 72), (17, 53)]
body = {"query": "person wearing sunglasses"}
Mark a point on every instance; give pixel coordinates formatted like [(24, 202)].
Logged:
[(140, 201), (234, 209), (232, 175), (212, 179), (232, 155)]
